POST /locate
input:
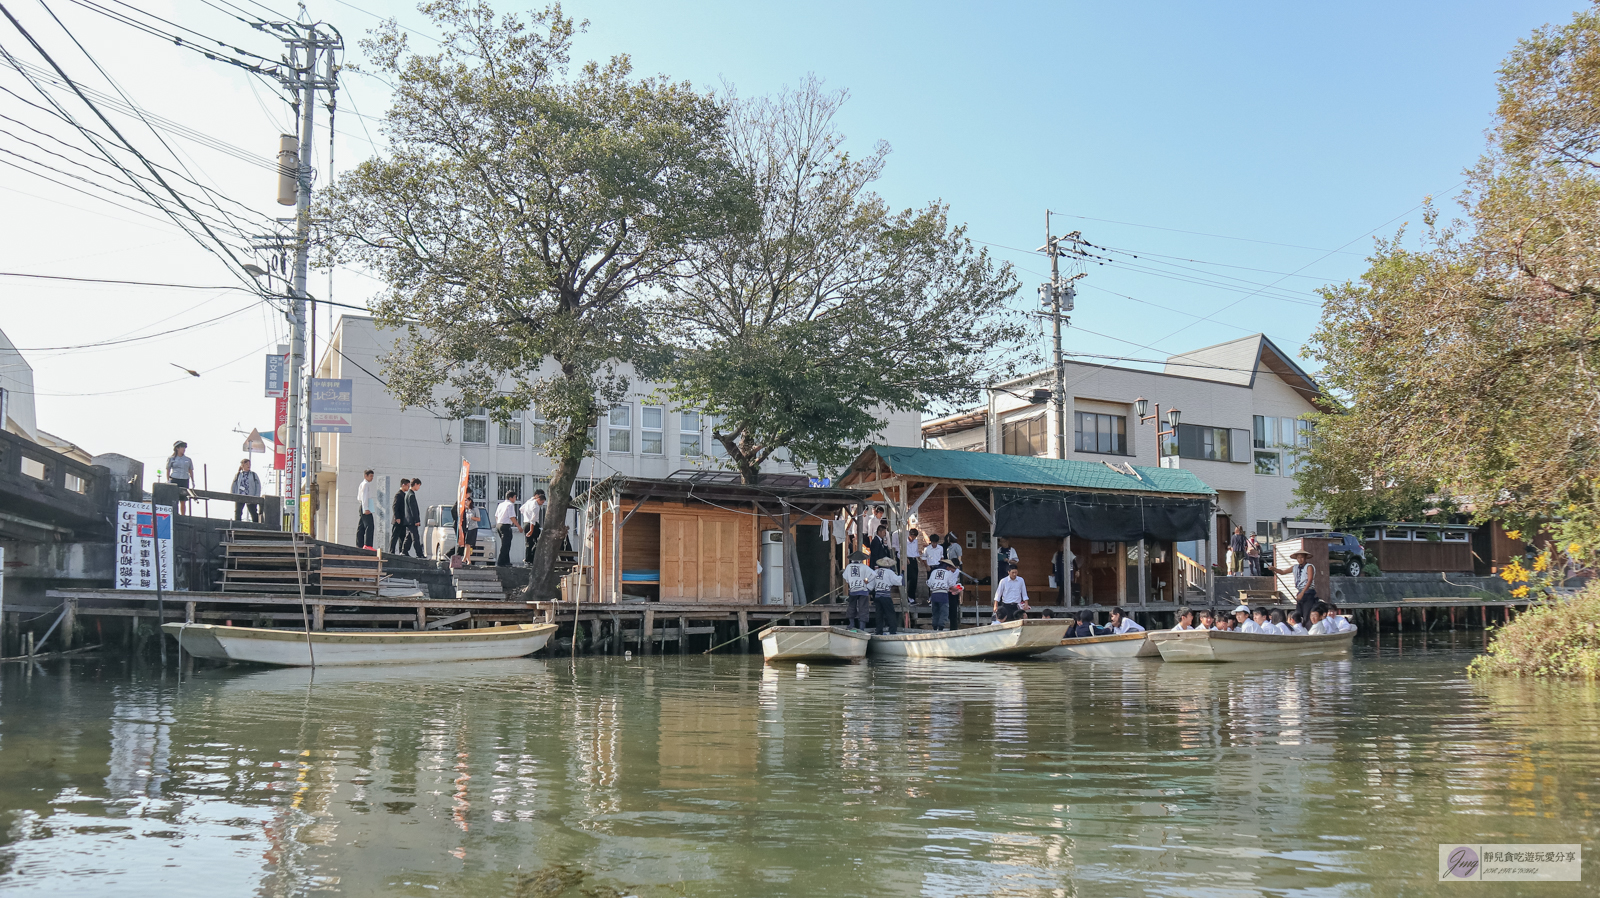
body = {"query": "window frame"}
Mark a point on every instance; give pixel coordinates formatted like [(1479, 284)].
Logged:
[(1116, 433), (1031, 429), (625, 429), (695, 432), (514, 425), (479, 418), (646, 431), (1277, 462)]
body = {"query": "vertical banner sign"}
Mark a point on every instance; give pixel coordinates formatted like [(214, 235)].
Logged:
[(331, 407), (280, 433), (138, 539), (461, 503), (277, 377)]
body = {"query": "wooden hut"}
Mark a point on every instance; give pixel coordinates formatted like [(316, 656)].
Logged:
[(1116, 524)]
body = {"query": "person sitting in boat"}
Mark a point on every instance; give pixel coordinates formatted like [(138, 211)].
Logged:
[(858, 583), (943, 583), (1224, 623), (1241, 618), (1010, 597), (1323, 621), (1278, 625), (1297, 627), (1122, 623), (1087, 627), (1185, 620), (1339, 619), (1254, 622), (884, 580), (1207, 620)]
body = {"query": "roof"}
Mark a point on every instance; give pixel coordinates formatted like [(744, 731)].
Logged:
[(638, 489), (1020, 470), (1239, 361)]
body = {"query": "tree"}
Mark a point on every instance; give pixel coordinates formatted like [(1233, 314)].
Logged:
[(800, 331), (520, 218), (1469, 364)]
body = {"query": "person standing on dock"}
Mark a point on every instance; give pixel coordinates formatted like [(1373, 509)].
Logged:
[(1010, 597), (505, 524), (943, 583), (180, 472), (367, 504), (246, 483), (1236, 549), (858, 583), (397, 530), (884, 580), (912, 550), (414, 519), (532, 525)]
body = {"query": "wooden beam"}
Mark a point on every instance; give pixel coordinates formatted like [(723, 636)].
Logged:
[(647, 496), (987, 516), (915, 506), (446, 621)]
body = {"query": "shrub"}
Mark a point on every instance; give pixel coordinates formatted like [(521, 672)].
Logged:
[(1560, 639)]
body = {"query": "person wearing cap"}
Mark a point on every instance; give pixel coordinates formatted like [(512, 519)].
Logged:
[(943, 582), (180, 472), (884, 580), (858, 583), (1241, 616), (1305, 580), (1122, 623), (1247, 619), (1010, 597)]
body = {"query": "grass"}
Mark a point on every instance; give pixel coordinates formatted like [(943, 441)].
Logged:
[(1561, 639)]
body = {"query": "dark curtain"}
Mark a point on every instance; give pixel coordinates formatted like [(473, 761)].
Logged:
[(1100, 516)]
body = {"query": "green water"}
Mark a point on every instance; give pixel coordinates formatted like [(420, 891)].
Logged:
[(694, 775)]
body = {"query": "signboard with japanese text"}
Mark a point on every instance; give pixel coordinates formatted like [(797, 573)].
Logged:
[(280, 436), (137, 540), (277, 378), (331, 405)]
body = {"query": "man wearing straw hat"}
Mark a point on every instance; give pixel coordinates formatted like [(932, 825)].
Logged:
[(1305, 581)]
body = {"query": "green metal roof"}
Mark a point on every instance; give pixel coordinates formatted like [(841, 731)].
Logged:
[(956, 464)]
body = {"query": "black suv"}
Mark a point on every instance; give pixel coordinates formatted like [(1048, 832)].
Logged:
[(1345, 558)]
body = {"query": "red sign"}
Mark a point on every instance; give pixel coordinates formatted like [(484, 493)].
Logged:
[(280, 435)]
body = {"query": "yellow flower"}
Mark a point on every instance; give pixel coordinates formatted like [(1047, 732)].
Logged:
[(1542, 563), (1574, 549), (1514, 572), (1520, 592), (1514, 534)]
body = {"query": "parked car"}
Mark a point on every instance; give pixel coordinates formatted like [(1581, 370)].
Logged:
[(1346, 557), (439, 535)]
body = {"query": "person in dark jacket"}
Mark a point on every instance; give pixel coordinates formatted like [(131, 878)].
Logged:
[(1237, 543), (397, 530), (1086, 626), (413, 519)]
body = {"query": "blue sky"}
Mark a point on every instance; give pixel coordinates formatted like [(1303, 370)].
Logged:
[(1298, 130)]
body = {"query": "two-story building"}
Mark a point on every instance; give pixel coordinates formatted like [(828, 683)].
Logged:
[(1241, 429), (643, 437)]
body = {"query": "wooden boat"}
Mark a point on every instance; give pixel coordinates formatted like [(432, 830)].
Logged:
[(288, 647), (813, 644), (1013, 639), (1116, 645), (1214, 645)]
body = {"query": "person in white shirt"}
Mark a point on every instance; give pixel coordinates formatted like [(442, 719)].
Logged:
[(1207, 621), (858, 585), (1320, 625), (1241, 618), (1254, 622), (1278, 626), (1185, 620), (505, 523), (884, 580), (532, 524), (1122, 623), (1296, 626), (367, 505), (1010, 597), (943, 584), (1339, 620)]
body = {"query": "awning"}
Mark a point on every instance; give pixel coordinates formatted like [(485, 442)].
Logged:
[(1100, 516)]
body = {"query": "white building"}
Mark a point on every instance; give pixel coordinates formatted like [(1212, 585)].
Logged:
[(1240, 406), (641, 437)]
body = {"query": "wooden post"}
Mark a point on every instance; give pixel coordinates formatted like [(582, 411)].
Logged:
[(69, 623), (647, 631), (744, 631), (319, 617), (1485, 614), (1122, 574), (616, 634), (994, 557), (1399, 619), (825, 617), (188, 611), (422, 617), (683, 635), (1144, 568)]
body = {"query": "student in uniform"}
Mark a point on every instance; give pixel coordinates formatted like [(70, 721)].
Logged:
[(1339, 620), (942, 585), (858, 582), (884, 580), (1207, 620), (1277, 625), (879, 549), (1086, 626), (1224, 623), (1010, 597), (1122, 623), (1252, 622), (1296, 626), (1241, 616), (1320, 624), (1185, 620), (912, 552), (397, 533)]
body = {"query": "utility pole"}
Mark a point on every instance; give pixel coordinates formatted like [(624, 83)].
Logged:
[(310, 47), (1058, 296)]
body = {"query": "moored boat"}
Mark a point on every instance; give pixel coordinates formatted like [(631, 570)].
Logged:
[(1215, 645), (1013, 639), (1115, 645), (258, 645), (813, 644)]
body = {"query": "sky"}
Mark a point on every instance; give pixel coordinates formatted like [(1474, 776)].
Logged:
[(1232, 157)]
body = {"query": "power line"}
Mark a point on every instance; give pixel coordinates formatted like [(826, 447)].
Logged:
[(125, 340), (1218, 236), (83, 280)]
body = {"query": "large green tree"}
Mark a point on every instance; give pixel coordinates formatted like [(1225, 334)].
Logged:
[(799, 332), (521, 218), (1469, 358)]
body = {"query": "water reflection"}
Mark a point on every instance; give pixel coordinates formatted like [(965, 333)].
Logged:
[(716, 776)]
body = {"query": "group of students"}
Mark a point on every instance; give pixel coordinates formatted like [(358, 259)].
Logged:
[(1324, 619)]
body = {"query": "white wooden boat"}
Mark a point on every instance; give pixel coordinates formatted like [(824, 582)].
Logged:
[(813, 644), (288, 647), (1115, 645), (1214, 645), (1012, 639)]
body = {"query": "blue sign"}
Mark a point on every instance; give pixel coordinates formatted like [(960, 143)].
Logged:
[(821, 482), (331, 405)]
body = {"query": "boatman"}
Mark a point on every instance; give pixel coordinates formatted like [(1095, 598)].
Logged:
[(857, 581), (1010, 597), (1122, 623), (884, 580), (943, 582), (1305, 580)]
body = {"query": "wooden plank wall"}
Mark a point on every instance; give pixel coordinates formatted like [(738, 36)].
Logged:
[(703, 554)]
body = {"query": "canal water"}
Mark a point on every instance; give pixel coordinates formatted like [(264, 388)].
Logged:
[(712, 776)]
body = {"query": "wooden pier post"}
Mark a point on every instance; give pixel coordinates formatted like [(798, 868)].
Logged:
[(616, 634), (683, 635), (188, 612), (422, 617), (69, 623), (647, 631), (744, 632), (824, 617), (319, 617)]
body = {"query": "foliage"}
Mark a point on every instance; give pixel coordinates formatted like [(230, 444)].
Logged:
[(520, 219), (1468, 364), (799, 332), (1559, 639)]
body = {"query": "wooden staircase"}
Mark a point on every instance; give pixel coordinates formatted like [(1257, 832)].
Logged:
[(478, 583), (273, 561)]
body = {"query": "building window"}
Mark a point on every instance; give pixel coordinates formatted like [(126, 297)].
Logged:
[(1456, 536), (1269, 532), (475, 427), (511, 432), (478, 488), (652, 420), (1266, 432), (717, 449), (689, 434), (1268, 463), (506, 484), (1395, 536), (540, 433), (620, 429), (1107, 434), (1209, 443), (1026, 436)]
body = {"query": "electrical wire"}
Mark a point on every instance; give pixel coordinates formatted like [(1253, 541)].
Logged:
[(1204, 234), (126, 340)]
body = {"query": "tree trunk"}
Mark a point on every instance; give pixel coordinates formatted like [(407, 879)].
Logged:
[(544, 585)]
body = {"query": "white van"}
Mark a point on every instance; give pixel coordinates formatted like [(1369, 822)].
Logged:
[(439, 535)]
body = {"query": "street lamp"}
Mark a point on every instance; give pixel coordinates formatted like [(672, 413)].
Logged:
[(1141, 407)]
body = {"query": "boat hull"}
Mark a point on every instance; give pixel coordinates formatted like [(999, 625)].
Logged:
[(1120, 645), (1214, 646), (288, 648), (787, 645), (1013, 639)]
